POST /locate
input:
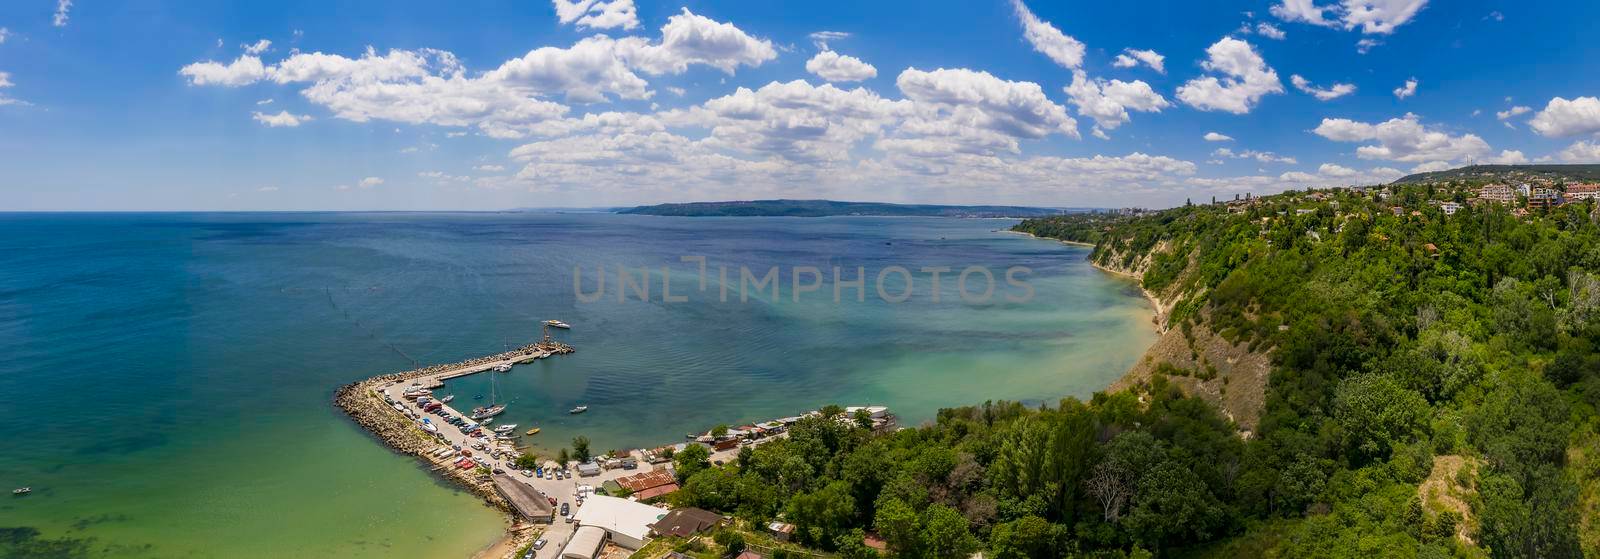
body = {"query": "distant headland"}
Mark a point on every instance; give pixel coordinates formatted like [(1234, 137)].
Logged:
[(826, 208)]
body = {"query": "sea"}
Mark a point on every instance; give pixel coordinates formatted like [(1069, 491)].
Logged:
[(167, 378)]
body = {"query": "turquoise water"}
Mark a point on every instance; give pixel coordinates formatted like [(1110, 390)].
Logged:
[(168, 376)]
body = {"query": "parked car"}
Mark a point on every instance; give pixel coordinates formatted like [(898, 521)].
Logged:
[(564, 509), (499, 471), (539, 543), (552, 501)]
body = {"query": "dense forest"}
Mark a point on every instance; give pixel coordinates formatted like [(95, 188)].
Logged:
[(1433, 393)]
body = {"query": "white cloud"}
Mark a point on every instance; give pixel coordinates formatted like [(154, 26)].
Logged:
[(599, 14), (1215, 137), (431, 86), (441, 177), (1322, 94), (4, 34), (264, 102), (1582, 151), (1270, 31), (821, 38), (1108, 102), (1133, 57), (1049, 41), (257, 48), (1327, 175), (836, 67), (1563, 118), (267, 189), (1366, 45), (5, 81), (243, 71), (490, 168), (282, 119), (1373, 17), (1511, 112), (1402, 139), (60, 18), (978, 99), (1261, 156), (1506, 157), (1407, 90), (1246, 78), (369, 182)]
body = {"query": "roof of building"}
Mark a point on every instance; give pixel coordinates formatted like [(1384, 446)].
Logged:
[(585, 543), (619, 516), (686, 522), (656, 491), (645, 480), (527, 500)]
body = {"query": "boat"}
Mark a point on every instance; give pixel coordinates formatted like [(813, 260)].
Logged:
[(505, 428), (579, 409), (488, 421), (447, 399), (503, 367), (22, 491), (478, 397), (491, 410), (558, 324), (533, 431)]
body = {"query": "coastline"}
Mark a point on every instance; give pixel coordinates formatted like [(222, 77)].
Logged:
[(363, 403), (1160, 308)]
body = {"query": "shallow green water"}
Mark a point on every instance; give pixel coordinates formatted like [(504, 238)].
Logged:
[(177, 368)]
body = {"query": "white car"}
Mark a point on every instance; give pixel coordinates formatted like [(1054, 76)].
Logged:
[(539, 543)]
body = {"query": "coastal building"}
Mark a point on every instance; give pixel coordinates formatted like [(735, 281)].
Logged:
[(687, 522), (1544, 198), (1449, 208), (781, 531), (625, 523), (1497, 193), (649, 485), (528, 502), (585, 543), (1586, 191), (588, 469)]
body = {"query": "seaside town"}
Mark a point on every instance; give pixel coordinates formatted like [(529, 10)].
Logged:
[(578, 505)]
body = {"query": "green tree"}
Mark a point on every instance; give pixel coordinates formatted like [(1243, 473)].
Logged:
[(580, 448), (820, 517), (691, 460), (1025, 538), (945, 534), (527, 461), (897, 523), (719, 431)]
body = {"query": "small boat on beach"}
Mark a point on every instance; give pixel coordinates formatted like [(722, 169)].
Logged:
[(578, 410), (22, 491), (558, 324), (533, 431)]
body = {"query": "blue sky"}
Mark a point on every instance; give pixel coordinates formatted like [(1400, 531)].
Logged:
[(491, 105)]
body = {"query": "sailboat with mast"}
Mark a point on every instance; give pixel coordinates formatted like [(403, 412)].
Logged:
[(493, 409)]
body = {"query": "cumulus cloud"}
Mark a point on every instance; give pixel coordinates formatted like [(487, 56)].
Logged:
[(5, 82), (1563, 118), (1326, 175), (1261, 156), (1270, 31), (257, 48), (1407, 90), (369, 182), (282, 119), (244, 70), (1216, 137), (490, 168), (836, 67), (431, 86), (1049, 41), (1511, 112), (1582, 151), (982, 101), (60, 18), (1108, 102), (1402, 139), (1322, 94), (1246, 78), (1133, 57), (598, 14), (1373, 17), (1506, 157)]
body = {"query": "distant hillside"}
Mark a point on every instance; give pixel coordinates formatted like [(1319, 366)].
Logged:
[(824, 208), (1507, 172)]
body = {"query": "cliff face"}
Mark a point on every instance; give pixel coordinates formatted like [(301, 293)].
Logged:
[(1192, 355)]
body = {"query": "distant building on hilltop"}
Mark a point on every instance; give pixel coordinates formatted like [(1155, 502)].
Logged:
[(1544, 198)]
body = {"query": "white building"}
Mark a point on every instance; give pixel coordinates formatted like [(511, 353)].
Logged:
[(625, 522)]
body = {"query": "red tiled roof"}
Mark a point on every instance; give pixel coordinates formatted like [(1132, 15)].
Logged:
[(645, 480), (656, 491)]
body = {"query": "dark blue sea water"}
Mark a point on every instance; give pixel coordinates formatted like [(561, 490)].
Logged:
[(168, 377)]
